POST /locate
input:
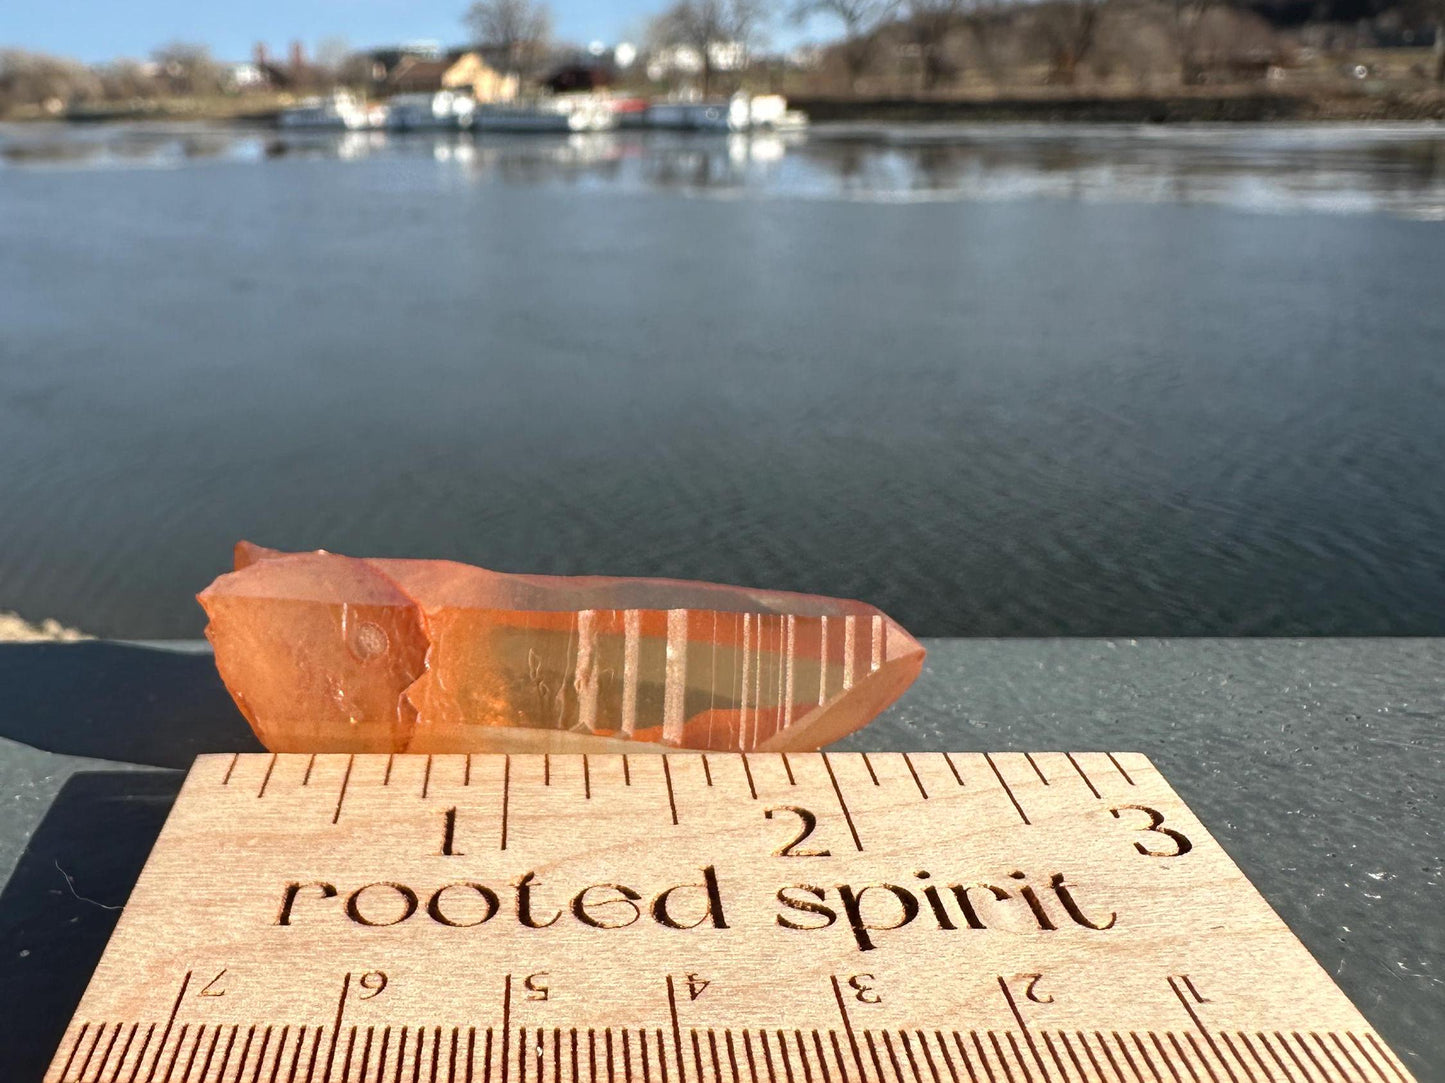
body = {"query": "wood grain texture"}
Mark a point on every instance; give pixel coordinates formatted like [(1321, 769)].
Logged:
[(921, 918)]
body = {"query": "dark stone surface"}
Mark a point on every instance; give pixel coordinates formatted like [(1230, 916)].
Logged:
[(1318, 764)]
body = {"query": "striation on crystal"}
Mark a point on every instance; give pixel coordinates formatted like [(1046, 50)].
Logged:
[(327, 653)]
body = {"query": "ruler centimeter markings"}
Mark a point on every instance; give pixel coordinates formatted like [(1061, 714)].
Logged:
[(702, 918)]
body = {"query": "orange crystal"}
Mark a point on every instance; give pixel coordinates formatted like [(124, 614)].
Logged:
[(326, 653)]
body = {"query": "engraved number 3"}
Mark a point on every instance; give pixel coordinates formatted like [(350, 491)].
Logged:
[(1156, 824)]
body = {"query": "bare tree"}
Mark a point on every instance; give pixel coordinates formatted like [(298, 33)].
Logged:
[(187, 68), (1188, 26), (519, 30), (1435, 11), (1069, 28), (929, 24), (860, 18), (708, 28), (30, 79)]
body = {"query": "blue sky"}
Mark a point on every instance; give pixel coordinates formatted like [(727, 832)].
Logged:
[(101, 29)]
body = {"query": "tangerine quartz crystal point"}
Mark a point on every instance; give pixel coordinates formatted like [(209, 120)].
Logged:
[(326, 653)]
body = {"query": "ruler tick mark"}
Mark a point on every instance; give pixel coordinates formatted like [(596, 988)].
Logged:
[(295, 1055), (267, 777), (1194, 1016), (235, 757), (104, 1057), (838, 1056), (79, 1039), (1263, 1064), (842, 804), (1164, 1057), (386, 777), (1073, 1057), (546, 769), (426, 778), (873, 1056), (506, 800), (914, 772), (626, 771), (335, 1030), (1144, 1055), (310, 766), (140, 1056), (467, 771), (1018, 1059), (869, 764), (952, 767), (1120, 768), (947, 1057), (1363, 1052), (1235, 1053), (260, 1057), (767, 1056), (200, 1035), (1384, 1055), (210, 1052), (999, 775), (586, 778), (1037, 769), (1199, 1053), (400, 1054), (345, 781), (1093, 1061), (245, 1052), (176, 1052), (817, 1048), (783, 1056), (848, 1025), (672, 1011), (1128, 1057), (506, 1024), (1087, 780), (365, 1055), (170, 1022), (748, 770), (788, 767), (671, 800), (706, 770), (1023, 1027), (1183, 1056)]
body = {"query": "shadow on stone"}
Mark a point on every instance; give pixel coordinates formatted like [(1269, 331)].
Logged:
[(114, 701), (63, 900)]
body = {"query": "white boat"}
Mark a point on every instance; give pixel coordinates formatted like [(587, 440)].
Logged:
[(339, 112), (446, 110), (740, 113), (770, 113), (700, 116), (563, 113)]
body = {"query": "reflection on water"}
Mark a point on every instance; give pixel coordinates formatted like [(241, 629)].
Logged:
[(1397, 169)]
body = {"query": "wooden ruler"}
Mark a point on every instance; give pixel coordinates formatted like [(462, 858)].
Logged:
[(923, 918)]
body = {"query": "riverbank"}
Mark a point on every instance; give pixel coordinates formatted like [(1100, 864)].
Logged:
[(1369, 103), (1142, 109)]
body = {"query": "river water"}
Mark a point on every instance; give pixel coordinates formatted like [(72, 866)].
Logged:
[(1015, 380)]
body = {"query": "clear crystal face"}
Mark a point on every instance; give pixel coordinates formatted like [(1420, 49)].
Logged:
[(327, 653)]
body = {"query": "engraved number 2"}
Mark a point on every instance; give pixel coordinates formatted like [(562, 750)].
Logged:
[(810, 823), (1156, 824)]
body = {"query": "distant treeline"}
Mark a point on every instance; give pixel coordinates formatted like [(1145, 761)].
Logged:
[(872, 48)]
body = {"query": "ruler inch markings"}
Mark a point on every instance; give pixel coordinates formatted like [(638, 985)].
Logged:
[(948, 914)]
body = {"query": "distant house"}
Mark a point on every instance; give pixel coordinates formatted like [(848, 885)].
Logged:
[(402, 71)]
